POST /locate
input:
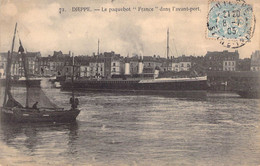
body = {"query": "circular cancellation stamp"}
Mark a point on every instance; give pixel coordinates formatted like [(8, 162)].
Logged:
[(232, 23)]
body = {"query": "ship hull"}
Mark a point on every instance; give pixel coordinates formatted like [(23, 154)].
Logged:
[(23, 115), (249, 94), (169, 85)]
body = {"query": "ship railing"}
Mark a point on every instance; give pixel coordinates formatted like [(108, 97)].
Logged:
[(50, 109), (32, 109)]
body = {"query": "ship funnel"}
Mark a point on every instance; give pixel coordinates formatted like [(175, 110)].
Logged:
[(127, 67), (140, 66)]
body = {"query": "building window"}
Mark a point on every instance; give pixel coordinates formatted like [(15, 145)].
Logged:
[(233, 63), (114, 64), (114, 69)]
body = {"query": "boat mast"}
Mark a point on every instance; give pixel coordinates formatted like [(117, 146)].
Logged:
[(8, 68), (98, 48), (25, 73)]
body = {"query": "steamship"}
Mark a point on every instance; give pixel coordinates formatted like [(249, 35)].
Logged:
[(166, 85), (140, 83)]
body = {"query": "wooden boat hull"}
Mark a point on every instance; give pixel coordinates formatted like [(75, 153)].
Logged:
[(22, 83), (22, 115)]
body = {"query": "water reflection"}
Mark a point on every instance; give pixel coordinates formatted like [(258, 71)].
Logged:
[(33, 135)]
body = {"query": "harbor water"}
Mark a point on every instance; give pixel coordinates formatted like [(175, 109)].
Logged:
[(131, 129)]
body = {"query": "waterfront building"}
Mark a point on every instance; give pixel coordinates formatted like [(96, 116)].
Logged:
[(97, 68), (221, 61), (32, 60), (255, 61), (244, 64), (229, 65), (182, 63), (85, 71), (117, 65), (15, 65), (134, 61), (101, 66), (57, 62), (3, 62), (68, 68), (2, 73), (44, 66), (17, 68), (149, 64)]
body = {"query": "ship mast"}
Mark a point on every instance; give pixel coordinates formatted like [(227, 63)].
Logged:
[(8, 68), (72, 80), (167, 44), (98, 48), (167, 50)]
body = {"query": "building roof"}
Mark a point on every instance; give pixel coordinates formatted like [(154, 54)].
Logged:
[(222, 55), (33, 54)]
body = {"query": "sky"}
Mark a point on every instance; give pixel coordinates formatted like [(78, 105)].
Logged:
[(42, 28)]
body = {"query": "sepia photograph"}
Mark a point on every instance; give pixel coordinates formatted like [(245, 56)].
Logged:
[(129, 83)]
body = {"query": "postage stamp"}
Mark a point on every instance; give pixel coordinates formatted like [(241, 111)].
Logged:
[(232, 23)]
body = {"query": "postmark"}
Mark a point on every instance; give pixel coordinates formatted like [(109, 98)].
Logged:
[(232, 23)]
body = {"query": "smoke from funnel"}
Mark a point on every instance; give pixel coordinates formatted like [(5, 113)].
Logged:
[(129, 33)]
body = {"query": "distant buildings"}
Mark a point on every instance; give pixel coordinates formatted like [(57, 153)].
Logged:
[(3, 62), (110, 64), (255, 61), (182, 63), (32, 59), (17, 69), (222, 61), (244, 64)]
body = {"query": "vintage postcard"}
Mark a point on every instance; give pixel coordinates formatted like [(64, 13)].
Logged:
[(129, 82)]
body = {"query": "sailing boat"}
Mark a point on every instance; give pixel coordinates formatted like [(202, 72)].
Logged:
[(38, 107)]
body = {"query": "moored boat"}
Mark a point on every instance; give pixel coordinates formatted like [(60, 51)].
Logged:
[(37, 107)]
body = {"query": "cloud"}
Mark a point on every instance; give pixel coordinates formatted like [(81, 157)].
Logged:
[(42, 28), (8, 10)]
